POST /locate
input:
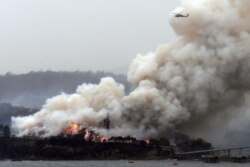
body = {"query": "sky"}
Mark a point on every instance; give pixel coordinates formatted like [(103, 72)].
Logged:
[(72, 35)]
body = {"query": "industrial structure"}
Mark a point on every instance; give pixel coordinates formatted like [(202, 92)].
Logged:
[(231, 154)]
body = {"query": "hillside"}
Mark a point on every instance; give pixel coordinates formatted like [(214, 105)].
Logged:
[(32, 89)]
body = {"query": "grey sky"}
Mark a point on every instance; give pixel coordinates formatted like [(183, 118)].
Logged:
[(80, 34)]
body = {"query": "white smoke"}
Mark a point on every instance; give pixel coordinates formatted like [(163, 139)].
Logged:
[(88, 107), (185, 85)]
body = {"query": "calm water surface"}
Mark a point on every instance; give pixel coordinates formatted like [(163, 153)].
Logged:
[(114, 164)]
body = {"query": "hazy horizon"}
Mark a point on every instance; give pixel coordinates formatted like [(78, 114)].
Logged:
[(83, 35)]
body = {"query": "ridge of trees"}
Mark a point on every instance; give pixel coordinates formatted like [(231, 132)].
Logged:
[(32, 89)]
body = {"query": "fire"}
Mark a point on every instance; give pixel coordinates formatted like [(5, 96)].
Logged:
[(103, 139), (74, 128), (148, 141), (88, 135)]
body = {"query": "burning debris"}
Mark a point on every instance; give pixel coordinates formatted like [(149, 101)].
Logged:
[(75, 147), (184, 85), (75, 130), (72, 129), (88, 135)]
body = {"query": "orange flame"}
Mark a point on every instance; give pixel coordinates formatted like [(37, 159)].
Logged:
[(75, 128), (147, 141), (72, 129)]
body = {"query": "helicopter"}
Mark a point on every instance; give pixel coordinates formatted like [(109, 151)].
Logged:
[(180, 15)]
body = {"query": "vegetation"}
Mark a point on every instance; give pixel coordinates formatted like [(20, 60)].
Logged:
[(76, 148), (185, 143)]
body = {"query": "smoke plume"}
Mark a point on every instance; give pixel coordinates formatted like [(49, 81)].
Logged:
[(199, 82)]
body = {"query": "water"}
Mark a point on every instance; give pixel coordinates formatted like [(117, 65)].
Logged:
[(122, 163)]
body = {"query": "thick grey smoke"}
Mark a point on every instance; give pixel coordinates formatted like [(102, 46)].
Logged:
[(198, 81)]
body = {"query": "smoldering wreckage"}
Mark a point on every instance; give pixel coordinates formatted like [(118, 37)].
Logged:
[(199, 82)]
